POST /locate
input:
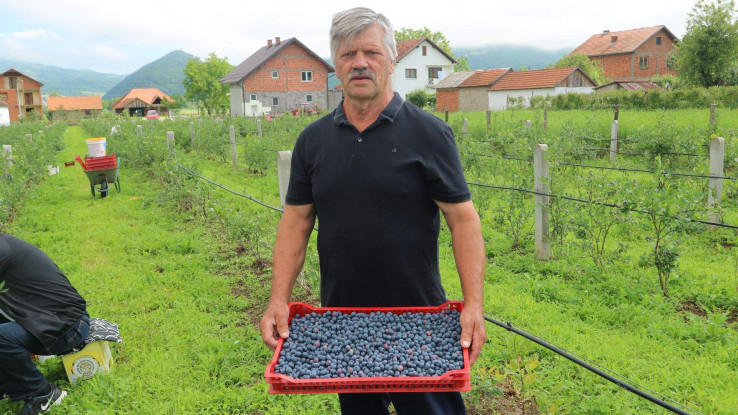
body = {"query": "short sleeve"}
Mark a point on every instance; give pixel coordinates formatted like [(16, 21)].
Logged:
[(300, 189), (444, 175)]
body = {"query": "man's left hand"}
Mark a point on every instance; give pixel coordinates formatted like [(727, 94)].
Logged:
[(473, 331)]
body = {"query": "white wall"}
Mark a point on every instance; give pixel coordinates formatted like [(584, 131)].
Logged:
[(4, 116), (415, 60), (498, 99), (236, 95)]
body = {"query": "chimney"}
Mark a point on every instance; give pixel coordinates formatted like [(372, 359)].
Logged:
[(606, 31), (269, 43), (276, 41), (613, 39)]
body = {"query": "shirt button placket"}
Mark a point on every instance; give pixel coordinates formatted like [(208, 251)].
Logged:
[(358, 147)]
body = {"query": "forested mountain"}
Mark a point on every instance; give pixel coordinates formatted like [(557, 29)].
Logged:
[(66, 82), (165, 73), (510, 56)]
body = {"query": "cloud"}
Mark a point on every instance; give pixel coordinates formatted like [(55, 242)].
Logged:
[(34, 34)]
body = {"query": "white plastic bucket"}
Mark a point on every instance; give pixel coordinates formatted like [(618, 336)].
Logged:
[(96, 146)]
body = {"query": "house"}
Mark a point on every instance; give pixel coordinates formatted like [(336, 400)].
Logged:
[(4, 113), (467, 90), (420, 63), (279, 77), (22, 94), (634, 55), (644, 86), (139, 100), (73, 108), (520, 87)]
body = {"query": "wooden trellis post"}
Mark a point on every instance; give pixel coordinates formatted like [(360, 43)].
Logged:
[(258, 126), (545, 120), (614, 141), (463, 127), (489, 119), (617, 112), (445, 110), (234, 154), (713, 118), (715, 183), (8, 154), (139, 130), (192, 135), (543, 202), (284, 162), (528, 125), (171, 144)]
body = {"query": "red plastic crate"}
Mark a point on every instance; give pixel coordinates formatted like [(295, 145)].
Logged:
[(451, 381), (101, 163)]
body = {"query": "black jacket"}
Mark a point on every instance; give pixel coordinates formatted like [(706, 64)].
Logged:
[(39, 297)]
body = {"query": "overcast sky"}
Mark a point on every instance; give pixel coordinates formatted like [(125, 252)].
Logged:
[(119, 37)]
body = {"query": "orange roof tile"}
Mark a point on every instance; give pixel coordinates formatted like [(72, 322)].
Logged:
[(74, 103), (484, 77), (147, 95), (625, 41), (540, 78)]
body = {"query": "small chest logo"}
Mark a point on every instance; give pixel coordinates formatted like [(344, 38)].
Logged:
[(394, 150)]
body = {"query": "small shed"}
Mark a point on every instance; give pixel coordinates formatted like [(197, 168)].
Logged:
[(644, 86), (467, 90), (139, 100), (72, 109), (520, 87)]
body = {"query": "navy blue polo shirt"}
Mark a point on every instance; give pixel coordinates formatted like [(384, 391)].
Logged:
[(374, 197)]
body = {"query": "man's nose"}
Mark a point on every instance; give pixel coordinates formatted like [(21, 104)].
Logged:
[(359, 61)]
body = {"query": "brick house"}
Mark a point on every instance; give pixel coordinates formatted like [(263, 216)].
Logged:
[(467, 90), (73, 108), (22, 94), (279, 77), (139, 100), (520, 87), (633, 55)]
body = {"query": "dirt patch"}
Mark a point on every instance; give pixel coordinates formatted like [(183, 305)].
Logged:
[(732, 317), (510, 403), (691, 307), (260, 265)]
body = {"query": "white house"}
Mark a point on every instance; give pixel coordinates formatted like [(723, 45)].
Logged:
[(420, 64), (525, 85), (4, 113)]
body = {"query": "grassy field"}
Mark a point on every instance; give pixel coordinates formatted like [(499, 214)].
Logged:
[(183, 268)]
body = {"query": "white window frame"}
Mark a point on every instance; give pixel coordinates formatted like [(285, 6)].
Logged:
[(308, 98), (253, 97), (306, 76), (275, 74), (275, 101)]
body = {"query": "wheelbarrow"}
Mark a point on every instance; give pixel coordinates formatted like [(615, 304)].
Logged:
[(101, 172)]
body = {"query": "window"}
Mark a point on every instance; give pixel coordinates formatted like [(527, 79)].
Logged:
[(309, 98), (411, 74), (13, 82), (28, 98), (3, 95), (425, 50), (275, 102), (643, 62), (252, 97), (307, 76), (275, 74), (658, 40), (434, 72)]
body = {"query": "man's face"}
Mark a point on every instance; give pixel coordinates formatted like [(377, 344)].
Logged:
[(364, 67)]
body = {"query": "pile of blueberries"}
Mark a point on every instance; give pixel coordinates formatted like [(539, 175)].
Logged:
[(376, 344)]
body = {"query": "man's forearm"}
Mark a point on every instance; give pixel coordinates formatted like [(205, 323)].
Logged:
[(289, 250)]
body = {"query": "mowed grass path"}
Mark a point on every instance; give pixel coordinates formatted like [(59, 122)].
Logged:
[(189, 346)]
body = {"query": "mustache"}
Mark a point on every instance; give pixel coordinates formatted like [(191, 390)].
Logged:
[(364, 72)]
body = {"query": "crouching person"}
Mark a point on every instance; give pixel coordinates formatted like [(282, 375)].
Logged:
[(40, 313)]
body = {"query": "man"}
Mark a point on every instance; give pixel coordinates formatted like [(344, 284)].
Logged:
[(40, 313), (375, 173)]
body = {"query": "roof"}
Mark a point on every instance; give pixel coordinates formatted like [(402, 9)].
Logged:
[(537, 79), (258, 58), (74, 103), (13, 72), (633, 85), (484, 77), (404, 47), (147, 95), (454, 79), (627, 41)]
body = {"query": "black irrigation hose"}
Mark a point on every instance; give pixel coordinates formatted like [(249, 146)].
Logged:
[(612, 205), (229, 190), (627, 386)]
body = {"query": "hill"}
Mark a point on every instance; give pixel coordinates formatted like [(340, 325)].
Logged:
[(67, 82), (510, 56), (165, 73)]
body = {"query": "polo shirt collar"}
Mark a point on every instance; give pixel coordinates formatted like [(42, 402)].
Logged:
[(389, 113)]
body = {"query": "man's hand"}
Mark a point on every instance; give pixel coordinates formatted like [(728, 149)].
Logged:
[(473, 331), (274, 324)]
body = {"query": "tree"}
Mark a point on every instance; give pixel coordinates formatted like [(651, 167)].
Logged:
[(709, 49), (202, 83), (591, 68), (438, 38)]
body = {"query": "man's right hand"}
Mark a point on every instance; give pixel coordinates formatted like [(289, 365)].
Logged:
[(274, 324)]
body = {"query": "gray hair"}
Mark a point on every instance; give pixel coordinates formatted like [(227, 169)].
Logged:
[(347, 24)]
